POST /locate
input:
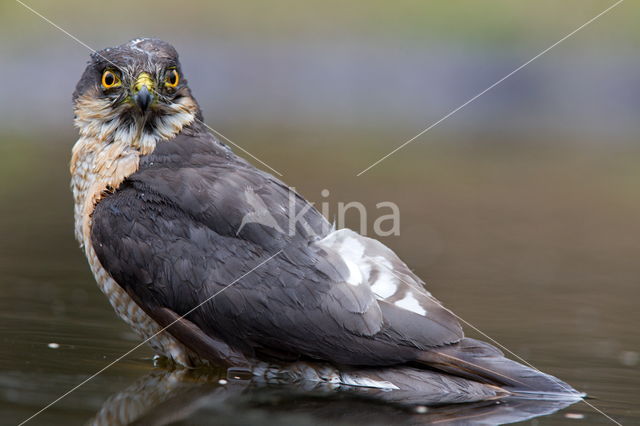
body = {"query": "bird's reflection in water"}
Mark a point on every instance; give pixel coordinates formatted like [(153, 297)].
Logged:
[(315, 393)]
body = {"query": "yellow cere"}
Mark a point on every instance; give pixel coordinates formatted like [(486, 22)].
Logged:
[(144, 79)]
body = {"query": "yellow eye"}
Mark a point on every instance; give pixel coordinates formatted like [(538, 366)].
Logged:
[(172, 79), (110, 79)]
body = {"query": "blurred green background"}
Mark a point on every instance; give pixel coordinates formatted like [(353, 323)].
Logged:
[(520, 211)]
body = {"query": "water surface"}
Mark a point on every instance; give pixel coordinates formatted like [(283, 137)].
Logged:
[(536, 245)]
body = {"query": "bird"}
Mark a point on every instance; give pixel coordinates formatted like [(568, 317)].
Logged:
[(195, 248)]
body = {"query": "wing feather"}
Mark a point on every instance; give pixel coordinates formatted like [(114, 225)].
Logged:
[(410, 311), (173, 235)]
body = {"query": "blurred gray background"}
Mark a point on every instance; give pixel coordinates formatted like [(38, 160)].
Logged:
[(520, 211), (348, 65)]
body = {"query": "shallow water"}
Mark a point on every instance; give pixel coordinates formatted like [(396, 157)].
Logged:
[(536, 246)]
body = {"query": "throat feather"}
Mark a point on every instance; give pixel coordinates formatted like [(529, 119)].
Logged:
[(97, 169), (109, 149)]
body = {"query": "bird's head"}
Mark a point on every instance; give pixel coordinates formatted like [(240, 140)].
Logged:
[(135, 93)]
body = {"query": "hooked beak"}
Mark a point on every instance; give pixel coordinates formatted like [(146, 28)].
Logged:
[(143, 98), (142, 91)]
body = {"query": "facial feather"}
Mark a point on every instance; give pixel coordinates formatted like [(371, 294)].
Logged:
[(114, 134)]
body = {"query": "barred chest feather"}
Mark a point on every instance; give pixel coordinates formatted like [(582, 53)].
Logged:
[(98, 168)]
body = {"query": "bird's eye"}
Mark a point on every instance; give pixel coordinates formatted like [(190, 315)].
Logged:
[(110, 79), (173, 78)]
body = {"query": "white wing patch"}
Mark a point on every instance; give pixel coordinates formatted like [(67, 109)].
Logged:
[(355, 276), (386, 285), (351, 252), (376, 275), (410, 303), (372, 264)]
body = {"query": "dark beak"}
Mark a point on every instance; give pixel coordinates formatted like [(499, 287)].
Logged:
[(143, 98)]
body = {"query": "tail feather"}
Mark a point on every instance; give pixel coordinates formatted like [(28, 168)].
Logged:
[(484, 363)]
